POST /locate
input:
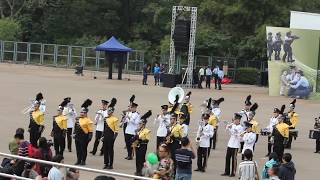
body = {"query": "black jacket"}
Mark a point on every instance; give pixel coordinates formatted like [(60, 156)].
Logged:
[(287, 171)]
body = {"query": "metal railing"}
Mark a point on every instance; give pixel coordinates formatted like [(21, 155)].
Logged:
[(110, 173), (67, 56)]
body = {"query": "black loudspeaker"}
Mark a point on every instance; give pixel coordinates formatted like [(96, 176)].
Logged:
[(181, 35), (171, 80)]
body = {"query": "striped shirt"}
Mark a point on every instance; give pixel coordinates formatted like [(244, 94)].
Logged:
[(247, 170), (184, 160), (23, 149)]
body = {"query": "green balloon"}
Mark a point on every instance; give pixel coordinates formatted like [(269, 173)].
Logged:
[(152, 158)]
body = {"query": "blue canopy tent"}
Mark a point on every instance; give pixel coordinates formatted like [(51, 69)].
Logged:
[(114, 50)]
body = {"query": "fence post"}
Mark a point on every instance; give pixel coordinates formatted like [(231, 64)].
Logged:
[(1, 50), (127, 67), (15, 52), (55, 55), (83, 53), (41, 53), (28, 53), (97, 60), (69, 60)]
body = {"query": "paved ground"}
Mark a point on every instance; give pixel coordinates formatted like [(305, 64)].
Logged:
[(20, 83)]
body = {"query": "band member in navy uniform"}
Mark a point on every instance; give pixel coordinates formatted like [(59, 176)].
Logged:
[(164, 121), (133, 120), (99, 121), (111, 130), (140, 142), (186, 109), (216, 113), (317, 127), (83, 133), (272, 123), (36, 124), (59, 129), (292, 122), (280, 135), (204, 133), (235, 130)]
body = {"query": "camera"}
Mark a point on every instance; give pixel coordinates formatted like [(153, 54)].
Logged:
[(50, 143)]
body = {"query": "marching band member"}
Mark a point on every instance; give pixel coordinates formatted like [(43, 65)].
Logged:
[(204, 133), (164, 121), (252, 120), (111, 129), (235, 130), (36, 124), (99, 121), (83, 133), (317, 127), (249, 138), (280, 135), (133, 120), (140, 142), (59, 129), (293, 120), (181, 121), (273, 121), (70, 112), (125, 116), (245, 116), (216, 111), (186, 108)]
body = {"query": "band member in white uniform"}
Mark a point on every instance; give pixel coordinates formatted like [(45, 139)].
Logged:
[(164, 122), (42, 102), (249, 138), (204, 133), (99, 122), (235, 130), (273, 121), (133, 120), (70, 112), (245, 117)]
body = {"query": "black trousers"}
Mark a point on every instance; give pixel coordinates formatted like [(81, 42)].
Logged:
[(202, 154), (213, 141), (269, 145), (140, 157), (108, 150), (81, 148), (231, 155), (289, 141), (69, 138), (34, 137), (59, 142), (200, 81), (96, 142), (208, 79), (241, 147), (145, 77), (318, 145), (127, 138), (160, 140), (278, 148)]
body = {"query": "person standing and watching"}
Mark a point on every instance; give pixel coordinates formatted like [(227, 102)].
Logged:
[(287, 170), (208, 76), (156, 72), (215, 75), (201, 77), (184, 158), (220, 77), (146, 69)]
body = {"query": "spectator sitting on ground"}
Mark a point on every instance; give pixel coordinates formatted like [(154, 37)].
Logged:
[(55, 173), (43, 153), (14, 144), (287, 170), (29, 170), (273, 173), (73, 174)]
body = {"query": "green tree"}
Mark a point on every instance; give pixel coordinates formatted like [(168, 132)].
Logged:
[(10, 29)]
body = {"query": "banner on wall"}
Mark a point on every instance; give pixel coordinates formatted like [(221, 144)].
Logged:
[(293, 61), (304, 20)]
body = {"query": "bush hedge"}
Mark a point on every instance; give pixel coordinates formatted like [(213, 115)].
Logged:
[(247, 76)]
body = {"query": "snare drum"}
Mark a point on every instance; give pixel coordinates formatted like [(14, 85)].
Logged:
[(314, 134), (265, 132)]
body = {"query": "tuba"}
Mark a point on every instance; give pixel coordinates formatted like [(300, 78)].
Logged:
[(173, 93)]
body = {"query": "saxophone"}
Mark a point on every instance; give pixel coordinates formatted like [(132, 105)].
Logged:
[(135, 139), (123, 119), (169, 136)]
